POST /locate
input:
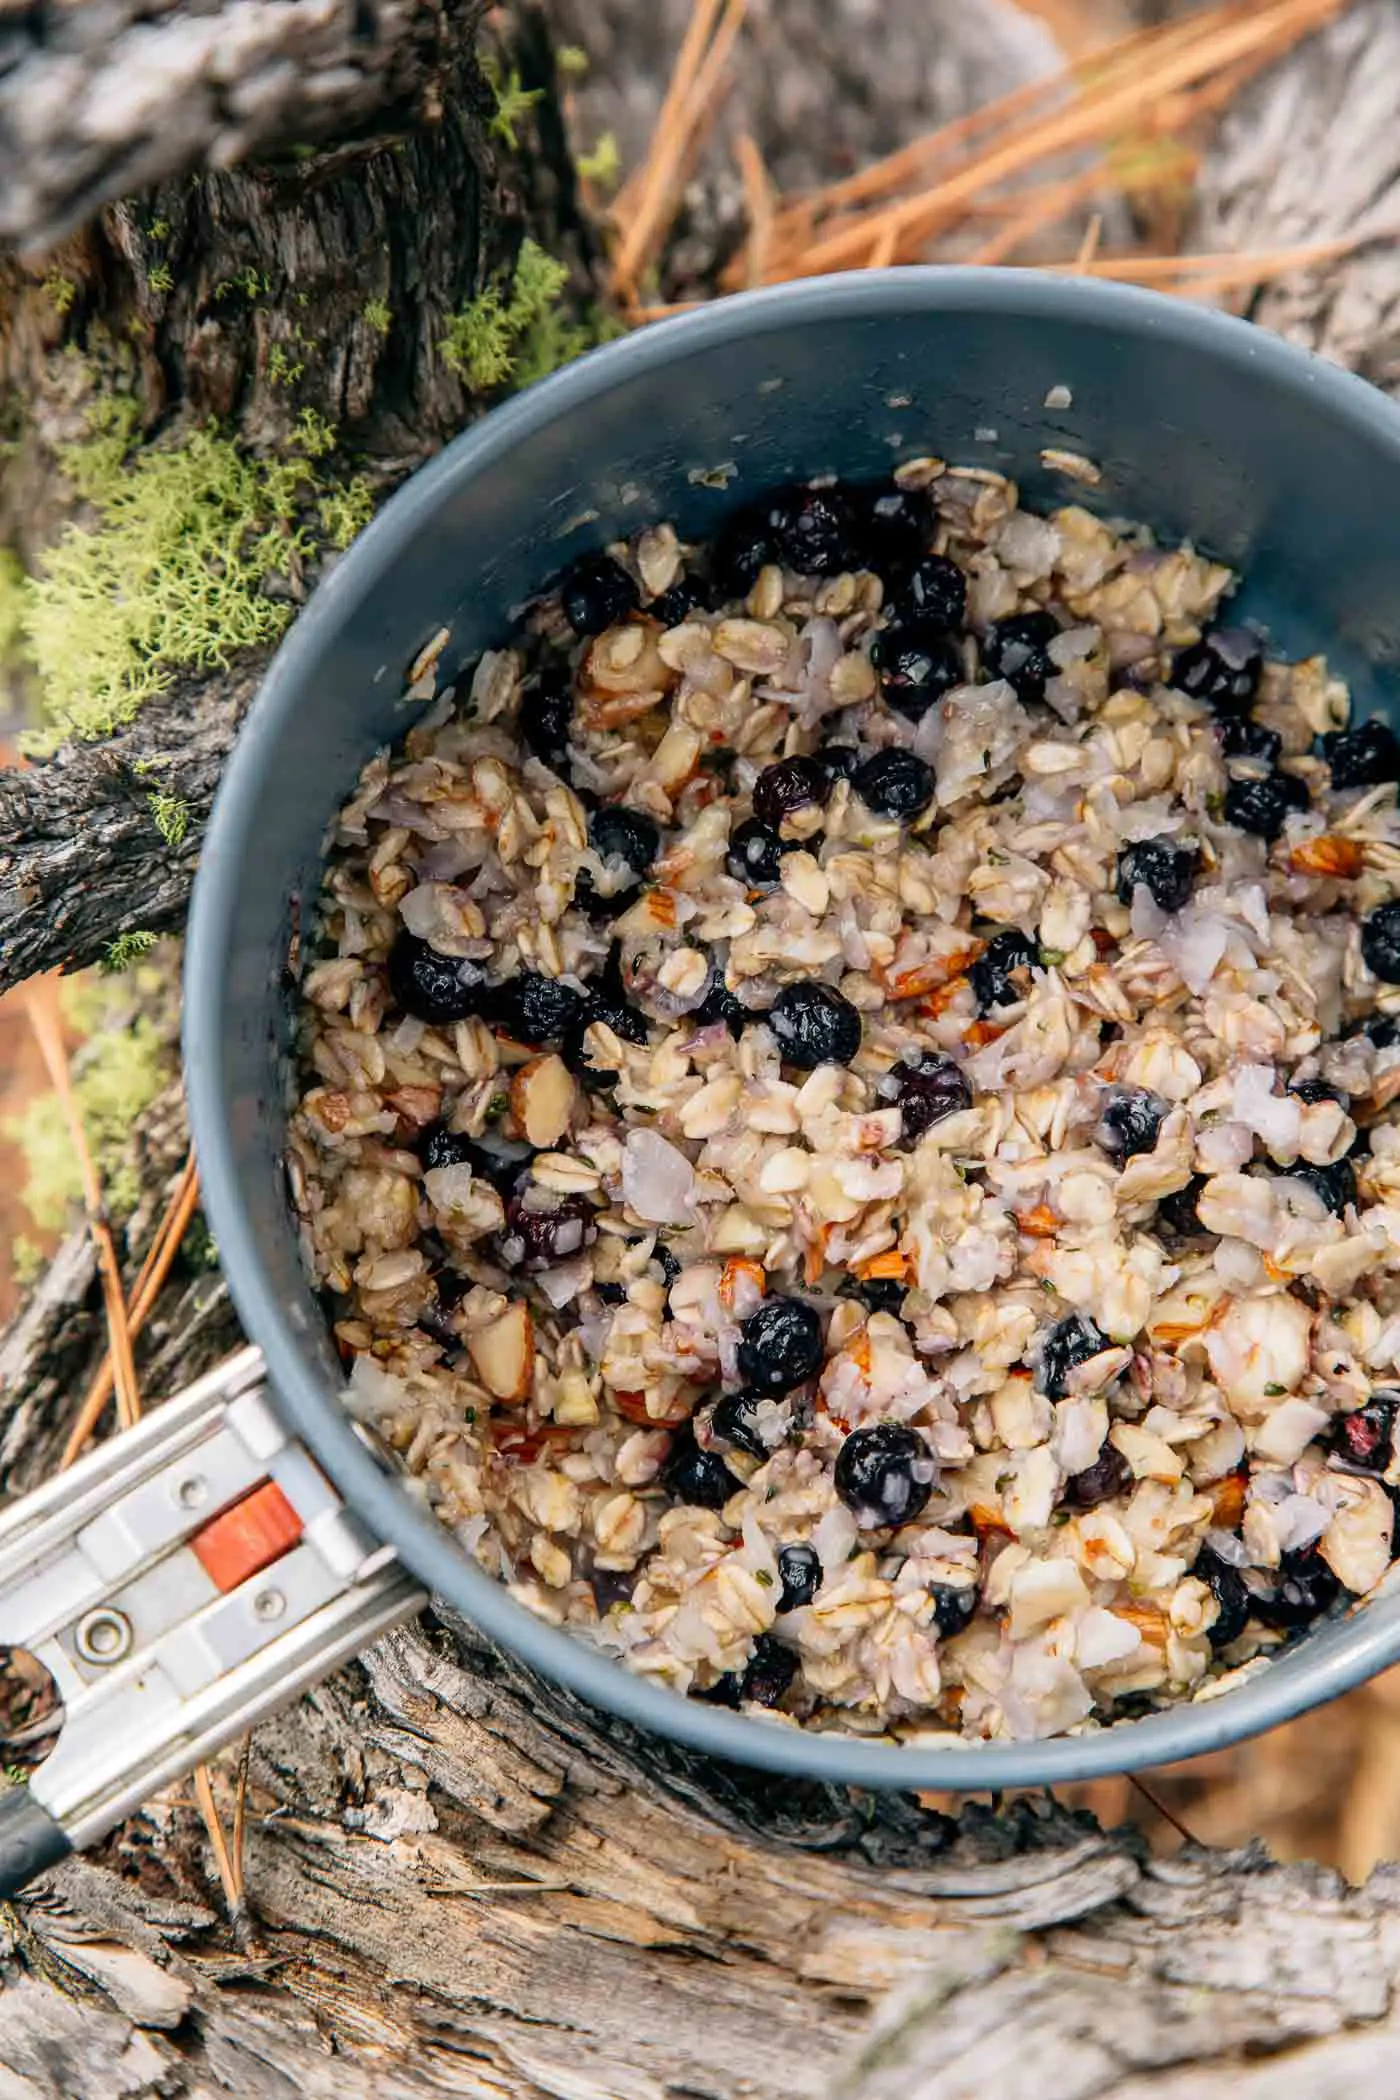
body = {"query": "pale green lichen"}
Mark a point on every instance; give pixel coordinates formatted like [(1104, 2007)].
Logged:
[(345, 511), (158, 229), (572, 60), (604, 164), (378, 315), (127, 948), (171, 817), (511, 324), (283, 370), (61, 290), (314, 435), (513, 101), (12, 603), (26, 1260), (170, 577), (161, 278)]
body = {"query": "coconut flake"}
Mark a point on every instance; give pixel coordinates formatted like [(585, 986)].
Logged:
[(657, 1180)]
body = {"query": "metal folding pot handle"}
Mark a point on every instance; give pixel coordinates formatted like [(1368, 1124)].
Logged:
[(184, 1580)]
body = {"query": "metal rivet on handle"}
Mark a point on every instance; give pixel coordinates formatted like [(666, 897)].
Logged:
[(269, 1604), (104, 1636), (192, 1492)]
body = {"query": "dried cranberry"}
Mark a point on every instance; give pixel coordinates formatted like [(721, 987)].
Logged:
[(1109, 1475), (1365, 1438), (793, 783), (536, 1239), (928, 1090)]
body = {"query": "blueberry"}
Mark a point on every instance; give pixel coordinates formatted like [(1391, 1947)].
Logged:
[(1380, 948), (884, 1474), (615, 1013), (743, 545), (937, 592), (1222, 669), (686, 596), (1109, 1475), (665, 1261), (1130, 1123), (1016, 650), (1227, 1586), (725, 1691), (876, 1293), (918, 663), (814, 1026), (755, 855), (771, 1670), (954, 1606), (597, 594), (1304, 1587), (895, 783), (733, 1423), (817, 531), (546, 718), (1364, 756), (536, 1010), (1167, 872), (696, 1476), (536, 1239), (1242, 737), (1381, 1029), (1073, 1342), (1365, 1438), (800, 1572), (992, 976), (780, 1345), (838, 762), (1336, 1185), (435, 988), (895, 527), (793, 783), (720, 1004), (1176, 1213), (1260, 806), (440, 1147), (930, 1089), (610, 1293), (616, 833), (1314, 1090)]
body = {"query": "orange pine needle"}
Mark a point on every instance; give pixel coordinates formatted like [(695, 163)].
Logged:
[(628, 201), (1088, 247), (759, 198)]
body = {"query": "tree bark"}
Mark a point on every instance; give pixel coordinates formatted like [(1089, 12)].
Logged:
[(462, 1880)]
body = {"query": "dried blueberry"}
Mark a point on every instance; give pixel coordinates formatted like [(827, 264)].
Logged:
[(954, 1606), (1242, 737), (876, 1293), (733, 1422), (1336, 1185), (1304, 1587), (725, 1691), (665, 1261), (895, 527), (1380, 948), (597, 594), (1381, 1029), (546, 718), (817, 531), (1364, 756), (895, 783), (771, 1670), (838, 761), (1227, 1586), (1130, 1123), (1314, 1090), (440, 1147), (918, 663), (1260, 806), (610, 1293), (615, 1013), (928, 1090), (1017, 649), (720, 1004), (800, 1572), (689, 594), (629, 835), (536, 1010), (696, 1476), (793, 783), (780, 1345), (755, 855), (1074, 1341), (814, 1025), (884, 1474), (1109, 1475), (536, 1238), (1166, 870), (1176, 1213), (993, 975), (1365, 1438), (435, 988), (743, 545), (1222, 669), (936, 591)]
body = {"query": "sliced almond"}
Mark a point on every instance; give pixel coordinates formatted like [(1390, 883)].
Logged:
[(752, 645), (542, 1097), (503, 1353)]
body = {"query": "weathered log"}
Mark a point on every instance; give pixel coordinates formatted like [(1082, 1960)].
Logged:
[(464, 1882)]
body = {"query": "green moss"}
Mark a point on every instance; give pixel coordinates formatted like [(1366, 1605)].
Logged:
[(486, 341), (513, 101), (162, 277), (61, 290), (377, 314), (171, 575), (283, 370), (116, 1077), (128, 948), (158, 229), (171, 817), (604, 164)]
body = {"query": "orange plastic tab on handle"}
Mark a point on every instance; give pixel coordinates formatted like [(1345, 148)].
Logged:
[(247, 1538)]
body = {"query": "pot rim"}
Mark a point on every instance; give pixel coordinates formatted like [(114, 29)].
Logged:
[(1294, 1683)]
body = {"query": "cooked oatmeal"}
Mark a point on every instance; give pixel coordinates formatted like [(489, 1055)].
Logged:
[(846, 1115)]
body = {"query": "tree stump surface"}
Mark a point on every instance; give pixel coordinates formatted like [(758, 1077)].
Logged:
[(461, 1880)]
